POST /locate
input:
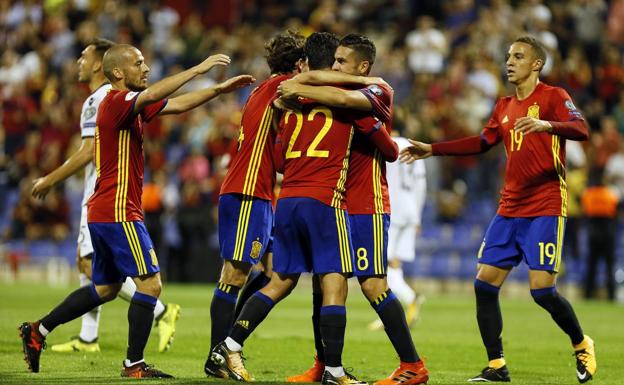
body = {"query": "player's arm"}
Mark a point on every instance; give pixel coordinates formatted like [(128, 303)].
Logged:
[(193, 99), (380, 137), (169, 85), (323, 78), (327, 95), (41, 186), (472, 145)]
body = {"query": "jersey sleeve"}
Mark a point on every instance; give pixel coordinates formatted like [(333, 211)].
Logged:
[(88, 118), (122, 106), (380, 97), (376, 132), (151, 110), (491, 133), (565, 110)]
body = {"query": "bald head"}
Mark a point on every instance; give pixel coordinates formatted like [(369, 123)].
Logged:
[(125, 63)]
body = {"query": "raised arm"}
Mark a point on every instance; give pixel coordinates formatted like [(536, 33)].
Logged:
[(193, 99), (323, 78), (41, 186), (169, 85)]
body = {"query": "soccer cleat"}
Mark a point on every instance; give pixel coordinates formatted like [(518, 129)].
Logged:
[(585, 360), (76, 344), (375, 325), (314, 374), (32, 344), (347, 379), (143, 370), (412, 313), (213, 369), (490, 374), (230, 362), (166, 326), (407, 374)]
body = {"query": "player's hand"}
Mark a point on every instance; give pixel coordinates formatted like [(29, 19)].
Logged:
[(418, 150), (41, 187), (235, 83), (214, 60), (288, 89), (528, 125), (286, 104)]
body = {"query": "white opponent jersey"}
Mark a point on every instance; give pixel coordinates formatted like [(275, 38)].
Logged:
[(87, 130), (407, 186)]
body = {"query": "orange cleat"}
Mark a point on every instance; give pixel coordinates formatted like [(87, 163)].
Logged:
[(314, 374), (408, 373)]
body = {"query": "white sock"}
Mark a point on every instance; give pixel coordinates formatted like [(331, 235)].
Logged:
[(44, 332), (399, 287), (90, 320), (336, 371), (233, 345), (128, 364), (127, 292)]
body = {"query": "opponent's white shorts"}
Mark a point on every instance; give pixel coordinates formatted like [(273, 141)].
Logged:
[(402, 242), (85, 247)]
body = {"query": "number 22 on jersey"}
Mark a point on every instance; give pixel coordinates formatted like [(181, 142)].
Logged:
[(312, 150)]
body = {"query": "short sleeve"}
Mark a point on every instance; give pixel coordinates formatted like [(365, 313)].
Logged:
[(88, 118), (380, 97), (151, 110), (491, 133), (564, 108)]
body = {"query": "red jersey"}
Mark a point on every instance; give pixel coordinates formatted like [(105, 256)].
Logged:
[(315, 143), (535, 182), (118, 158), (252, 171), (367, 187)]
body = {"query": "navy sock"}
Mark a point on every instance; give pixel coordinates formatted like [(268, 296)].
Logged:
[(140, 318), (561, 311), (392, 316), (489, 318), (256, 281), (254, 312), (222, 312), (77, 303), (333, 322), (317, 302)]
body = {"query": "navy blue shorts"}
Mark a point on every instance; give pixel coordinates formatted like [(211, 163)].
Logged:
[(536, 240), (369, 233), (245, 225), (311, 236), (120, 250)]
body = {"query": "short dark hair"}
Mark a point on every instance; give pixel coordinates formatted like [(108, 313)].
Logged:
[(538, 48), (362, 45), (320, 48), (101, 45), (283, 51)]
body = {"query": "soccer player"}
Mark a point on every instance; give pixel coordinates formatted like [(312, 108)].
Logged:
[(122, 246), (245, 203), (311, 225), (90, 72), (368, 205), (529, 226), (407, 185)]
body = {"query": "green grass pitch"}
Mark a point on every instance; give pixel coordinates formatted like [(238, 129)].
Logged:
[(446, 336)]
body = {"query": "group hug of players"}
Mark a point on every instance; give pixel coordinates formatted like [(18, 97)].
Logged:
[(328, 133)]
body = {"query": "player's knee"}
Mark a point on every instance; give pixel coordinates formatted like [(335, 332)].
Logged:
[(234, 273), (108, 292), (373, 287), (277, 289)]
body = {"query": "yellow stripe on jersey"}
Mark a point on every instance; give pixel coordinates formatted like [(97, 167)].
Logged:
[(340, 185), (343, 241), (378, 243), (379, 207), (258, 148), (556, 147), (122, 175), (241, 227), (560, 232), (135, 247), (96, 149)]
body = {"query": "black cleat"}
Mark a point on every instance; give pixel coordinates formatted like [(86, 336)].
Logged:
[(32, 344), (492, 375), (213, 369), (347, 379), (229, 362), (143, 370)]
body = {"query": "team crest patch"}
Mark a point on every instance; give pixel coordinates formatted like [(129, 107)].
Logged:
[(533, 111), (569, 105), (131, 95), (152, 254), (256, 247), (89, 113), (375, 89)]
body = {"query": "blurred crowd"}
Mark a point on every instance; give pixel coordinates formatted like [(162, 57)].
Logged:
[(444, 59)]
